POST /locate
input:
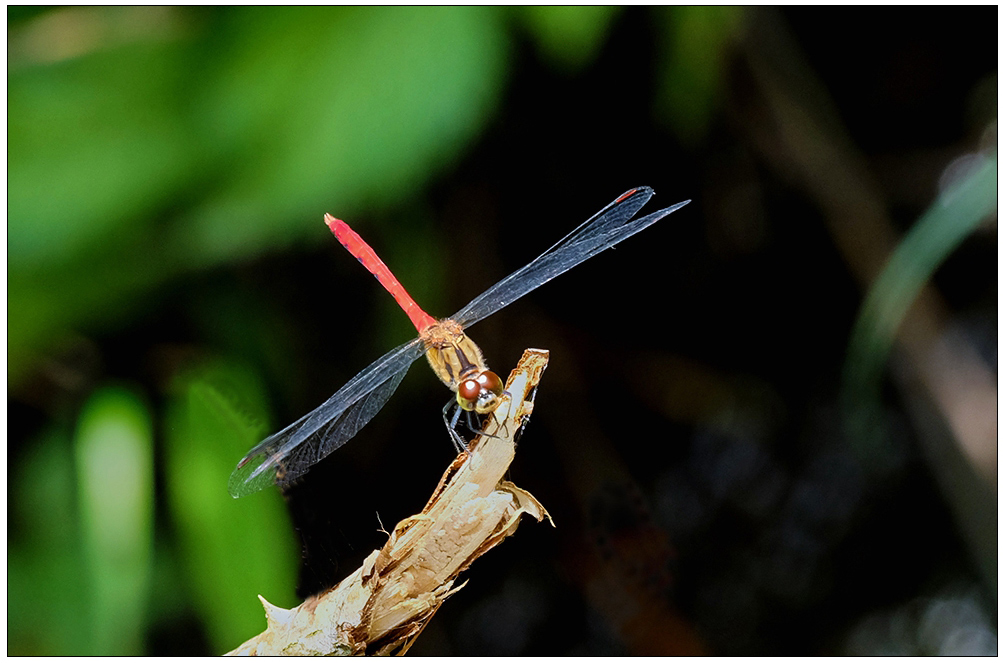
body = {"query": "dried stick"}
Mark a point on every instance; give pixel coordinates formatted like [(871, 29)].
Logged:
[(383, 606)]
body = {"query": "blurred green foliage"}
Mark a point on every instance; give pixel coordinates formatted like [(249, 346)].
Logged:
[(231, 549), (695, 45), (224, 137), (114, 462), (79, 574), (568, 37), (48, 594)]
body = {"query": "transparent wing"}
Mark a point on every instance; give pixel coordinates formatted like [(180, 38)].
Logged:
[(285, 456), (610, 225)]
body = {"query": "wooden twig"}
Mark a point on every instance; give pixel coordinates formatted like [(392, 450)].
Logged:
[(383, 606)]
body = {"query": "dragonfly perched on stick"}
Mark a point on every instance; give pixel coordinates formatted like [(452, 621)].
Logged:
[(285, 456)]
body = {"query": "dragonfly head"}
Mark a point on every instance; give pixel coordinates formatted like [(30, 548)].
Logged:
[(479, 393)]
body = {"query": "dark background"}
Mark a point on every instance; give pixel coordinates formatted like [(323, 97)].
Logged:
[(697, 438)]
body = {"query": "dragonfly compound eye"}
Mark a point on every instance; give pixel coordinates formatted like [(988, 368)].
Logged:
[(490, 382), (467, 393), (491, 389)]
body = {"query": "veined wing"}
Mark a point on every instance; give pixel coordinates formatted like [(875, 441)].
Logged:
[(285, 456), (610, 225)]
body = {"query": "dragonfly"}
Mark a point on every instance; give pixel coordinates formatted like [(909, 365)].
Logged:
[(284, 457)]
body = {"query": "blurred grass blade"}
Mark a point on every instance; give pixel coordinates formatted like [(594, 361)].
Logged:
[(232, 550), (114, 450), (953, 216), (46, 578)]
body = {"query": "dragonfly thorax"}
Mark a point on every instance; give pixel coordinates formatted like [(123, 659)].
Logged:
[(460, 365)]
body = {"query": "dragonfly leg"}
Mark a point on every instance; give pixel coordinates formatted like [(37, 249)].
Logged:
[(451, 425), (473, 424)]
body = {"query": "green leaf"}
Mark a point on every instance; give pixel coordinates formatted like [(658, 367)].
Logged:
[(339, 109), (96, 145), (114, 452), (232, 550)]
